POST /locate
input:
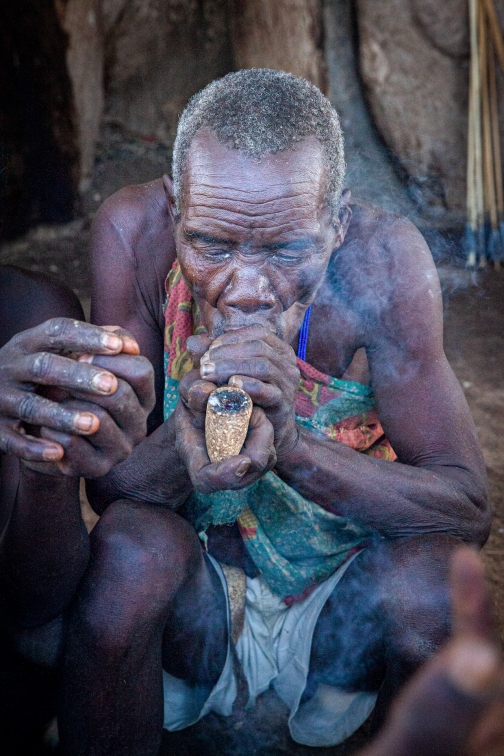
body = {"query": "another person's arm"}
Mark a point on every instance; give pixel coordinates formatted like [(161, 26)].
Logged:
[(455, 704), (83, 429)]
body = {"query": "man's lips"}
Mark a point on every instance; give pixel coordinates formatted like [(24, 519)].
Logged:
[(263, 324)]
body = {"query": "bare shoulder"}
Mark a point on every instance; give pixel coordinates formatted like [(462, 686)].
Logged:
[(384, 270), (384, 245), (132, 251), (384, 259), (137, 215)]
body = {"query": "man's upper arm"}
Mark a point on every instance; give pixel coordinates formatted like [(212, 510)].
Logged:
[(421, 404), (128, 271)]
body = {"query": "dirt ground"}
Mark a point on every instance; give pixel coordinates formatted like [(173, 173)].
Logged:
[(474, 341)]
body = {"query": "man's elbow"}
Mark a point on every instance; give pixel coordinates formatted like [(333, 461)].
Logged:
[(479, 519), (470, 505)]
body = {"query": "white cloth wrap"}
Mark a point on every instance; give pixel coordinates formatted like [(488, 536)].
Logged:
[(274, 649)]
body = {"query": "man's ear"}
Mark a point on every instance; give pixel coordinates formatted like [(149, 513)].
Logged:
[(170, 196), (345, 213), (344, 216)]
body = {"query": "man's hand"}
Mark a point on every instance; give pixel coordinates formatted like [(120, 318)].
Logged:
[(455, 704), (257, 361), (82, 392), (258, 453)]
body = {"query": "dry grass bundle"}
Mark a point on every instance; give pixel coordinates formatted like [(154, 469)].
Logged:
[(484, 234)]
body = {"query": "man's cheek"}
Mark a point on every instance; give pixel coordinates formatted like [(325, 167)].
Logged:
[(191, 266), (310, 281)]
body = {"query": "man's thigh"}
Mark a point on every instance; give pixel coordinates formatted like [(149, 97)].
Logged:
[(391, 609)]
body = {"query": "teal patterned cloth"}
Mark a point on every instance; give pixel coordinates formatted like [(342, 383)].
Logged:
[(294, 542)]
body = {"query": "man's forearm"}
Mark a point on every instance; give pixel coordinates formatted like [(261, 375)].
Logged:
[(45, 547), (153, 473), (393, 498)]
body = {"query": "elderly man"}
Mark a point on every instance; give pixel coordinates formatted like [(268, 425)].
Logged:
[(345, 551), (328, 313)]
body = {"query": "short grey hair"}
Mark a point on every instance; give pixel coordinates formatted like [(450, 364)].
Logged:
[(259, 111)]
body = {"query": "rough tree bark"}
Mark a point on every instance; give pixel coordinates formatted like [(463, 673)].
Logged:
[(81, 20), (158, 54), (283, 34)]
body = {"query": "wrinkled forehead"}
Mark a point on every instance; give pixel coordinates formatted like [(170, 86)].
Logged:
[(217, 167)]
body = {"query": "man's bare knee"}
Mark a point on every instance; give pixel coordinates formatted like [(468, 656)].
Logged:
[(416, 594), (146, 537), (140, 557)]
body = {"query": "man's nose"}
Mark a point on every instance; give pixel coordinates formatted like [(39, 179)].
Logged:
[(248, 291)]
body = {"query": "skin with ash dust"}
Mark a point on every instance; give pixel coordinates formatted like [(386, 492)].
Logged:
[(257, 245)]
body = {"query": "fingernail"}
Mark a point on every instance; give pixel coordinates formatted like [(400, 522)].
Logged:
[(84, 421), (130, 345), (474, 667), (51, 453), (110, 341), (242, 469), (235, 381), (205, 358), (207, 369), (104, 382)]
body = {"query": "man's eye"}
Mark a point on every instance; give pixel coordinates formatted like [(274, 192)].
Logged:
[(279, 257), (217, 254)]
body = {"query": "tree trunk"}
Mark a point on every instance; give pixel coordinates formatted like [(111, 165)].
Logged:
[(81, 20), (283, 34)]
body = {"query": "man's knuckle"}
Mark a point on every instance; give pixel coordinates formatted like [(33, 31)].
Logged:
[(8, 444), (145, 381), (259, 347), (56, 328), (123, 450), (121, 396), (29, 406), (294, 374), (145, 368), (99, 467), (42, 365), (262, 367)]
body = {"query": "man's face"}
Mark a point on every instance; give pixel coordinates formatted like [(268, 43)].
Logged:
[(254, 238)]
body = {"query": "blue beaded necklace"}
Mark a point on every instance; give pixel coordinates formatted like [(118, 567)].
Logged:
[(303, 335)]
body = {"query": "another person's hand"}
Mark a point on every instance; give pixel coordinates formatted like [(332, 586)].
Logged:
[(258, 453), (455, 704), (73, 397)]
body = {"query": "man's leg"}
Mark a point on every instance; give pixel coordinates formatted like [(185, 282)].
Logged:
[(27, 689), (388, 615), (149, 599)]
